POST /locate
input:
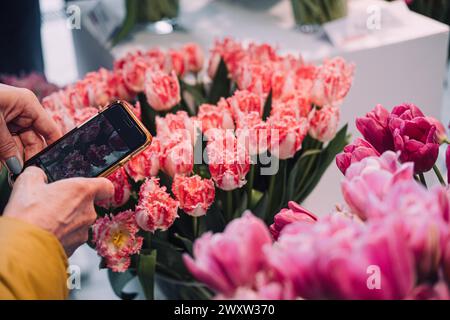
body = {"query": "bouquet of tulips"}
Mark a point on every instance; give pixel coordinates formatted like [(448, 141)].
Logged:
[(256, 130), (390, 240)]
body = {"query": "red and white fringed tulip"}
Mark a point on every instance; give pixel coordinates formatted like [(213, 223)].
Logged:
[(162, 90), (323, 123), (253, 133), (134, 68), (115, 239), (333, 81), (177, 155), (194, 194), (178, 123), (214, 117), (122, 190), (145, 164), (156, 210), (228, 160), (193, 57), (255, 77), (244, 102), (286, 135)]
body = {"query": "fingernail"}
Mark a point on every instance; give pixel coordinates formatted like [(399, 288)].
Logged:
[(14, 166)]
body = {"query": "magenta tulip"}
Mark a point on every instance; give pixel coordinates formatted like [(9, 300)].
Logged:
[(229, 260), (367, 183), (447, 161), (339, 258), (375, 129), (414, 136), (294, 213), (355, 152)]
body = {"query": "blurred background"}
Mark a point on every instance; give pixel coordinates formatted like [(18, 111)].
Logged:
[(400, 49)]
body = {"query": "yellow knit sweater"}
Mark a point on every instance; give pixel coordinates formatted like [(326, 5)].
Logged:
[(32, 262)]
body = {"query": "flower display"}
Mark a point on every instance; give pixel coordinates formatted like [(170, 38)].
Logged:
[(156, 210), (194, 194), (213, 155), (115, 239)]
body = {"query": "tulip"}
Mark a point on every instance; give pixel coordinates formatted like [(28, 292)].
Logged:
[(162, 90), (323, 123), (146, 164), (375, 129), (294, 213), (337, 258), (194, 194), (287, 134), (440, 129), (333, 81), (133, 69), (414, 136), (355, 152), (179, 124), (229, 260), (115, 238), (244, 102), (122, 190), (193, 56), (367, 183), (228, 160), (255, 77), (214, 117), (427, 291), (177, 155), (253, 133), (155, 210)]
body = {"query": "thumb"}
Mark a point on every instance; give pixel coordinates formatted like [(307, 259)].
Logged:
[(101, 188), (8, 149)]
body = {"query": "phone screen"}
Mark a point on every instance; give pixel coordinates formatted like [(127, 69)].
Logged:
[(91, 149)]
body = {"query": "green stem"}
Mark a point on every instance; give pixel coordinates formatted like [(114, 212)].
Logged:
[(229, 205), (439, 175), (195, 227), (273, 178), (422, 179), (251, 178)]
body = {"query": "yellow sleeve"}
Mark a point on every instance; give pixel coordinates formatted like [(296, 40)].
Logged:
[(32, 262)]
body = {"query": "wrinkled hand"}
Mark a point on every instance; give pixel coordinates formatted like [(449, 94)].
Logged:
[(25, 127), (64, 208)]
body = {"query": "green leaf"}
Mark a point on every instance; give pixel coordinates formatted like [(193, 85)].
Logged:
[(221, 84), (128, 23), (242, 205), (146, 272), (214, 219), (195, 92), (118, 281), (170, 261), (186, 242), (267, 106), (262, 206), (324, 159)]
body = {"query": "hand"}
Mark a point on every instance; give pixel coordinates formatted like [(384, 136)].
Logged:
[(25, 127), (64, 208)]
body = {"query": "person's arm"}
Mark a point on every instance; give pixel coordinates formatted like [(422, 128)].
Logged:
[(32, 262)]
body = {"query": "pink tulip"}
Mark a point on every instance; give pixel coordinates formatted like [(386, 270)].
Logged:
[(323, 123), (177, 154), (294, 213), (367, 182), (146, 164), (375, 129), (355, 152), (440, 129), (122, 190), (229, 260), (338, 258), (414, 136), (193, 56)]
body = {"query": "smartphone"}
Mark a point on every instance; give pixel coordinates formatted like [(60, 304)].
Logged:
[(95, 148)]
